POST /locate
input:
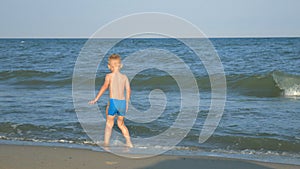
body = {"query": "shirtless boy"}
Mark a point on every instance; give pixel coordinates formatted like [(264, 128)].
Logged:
[(118, 104)]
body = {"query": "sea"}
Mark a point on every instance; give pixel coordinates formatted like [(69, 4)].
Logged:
[(260, 121)]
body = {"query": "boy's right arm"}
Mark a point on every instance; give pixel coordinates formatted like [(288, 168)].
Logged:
[(102, 90), (128, 92)]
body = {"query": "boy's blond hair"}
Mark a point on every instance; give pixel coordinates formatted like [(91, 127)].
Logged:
[(115, 57)]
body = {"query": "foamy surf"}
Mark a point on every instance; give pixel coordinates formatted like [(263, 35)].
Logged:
[(289, 84)]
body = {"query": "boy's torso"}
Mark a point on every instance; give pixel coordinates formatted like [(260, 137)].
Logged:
[(117, 86)]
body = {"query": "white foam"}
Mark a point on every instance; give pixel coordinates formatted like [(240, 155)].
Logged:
[(292, 91), (289, 84)]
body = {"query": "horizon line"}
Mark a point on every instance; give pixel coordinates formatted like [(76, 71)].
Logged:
[(209, 37)]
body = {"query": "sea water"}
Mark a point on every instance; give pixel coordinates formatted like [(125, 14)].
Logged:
[(261, 120)]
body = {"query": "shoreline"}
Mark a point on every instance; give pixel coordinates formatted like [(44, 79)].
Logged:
[(33, 156), (270, 158)]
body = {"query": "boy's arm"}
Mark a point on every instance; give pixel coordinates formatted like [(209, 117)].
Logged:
[(128, 92), (102, 90)]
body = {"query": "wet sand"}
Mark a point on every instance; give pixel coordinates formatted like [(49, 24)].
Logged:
[(42, 157)]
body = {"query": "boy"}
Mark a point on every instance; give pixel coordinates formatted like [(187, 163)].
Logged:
[(117, 105)]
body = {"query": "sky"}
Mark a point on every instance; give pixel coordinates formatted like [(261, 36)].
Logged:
[(216, 18)]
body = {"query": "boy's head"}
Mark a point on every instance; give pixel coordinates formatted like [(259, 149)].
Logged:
[(114, 62)]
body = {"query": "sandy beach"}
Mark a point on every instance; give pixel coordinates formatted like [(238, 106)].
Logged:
[(42, 157)]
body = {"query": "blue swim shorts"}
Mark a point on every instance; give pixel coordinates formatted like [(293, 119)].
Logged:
[(117, 107)]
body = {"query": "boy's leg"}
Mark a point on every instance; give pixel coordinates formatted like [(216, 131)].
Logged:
[(106, 110), (108, 129), (124, 130)]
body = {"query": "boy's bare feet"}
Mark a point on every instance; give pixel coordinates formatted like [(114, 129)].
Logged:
[(129, 144), (106, 147), (105, 144)]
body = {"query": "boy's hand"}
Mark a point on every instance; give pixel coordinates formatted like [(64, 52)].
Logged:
[(126, 107), (92, 101)]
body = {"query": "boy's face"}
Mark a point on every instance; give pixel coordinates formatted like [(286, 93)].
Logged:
[(114, 64)]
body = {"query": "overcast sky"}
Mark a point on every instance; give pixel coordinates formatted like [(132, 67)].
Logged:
[(216, 18)]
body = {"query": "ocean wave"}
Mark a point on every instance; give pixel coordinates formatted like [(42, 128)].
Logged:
[(72, 132), (25, 74), (35, 78), (32, 130), (289, 84), (272, 84), (256, 143)]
